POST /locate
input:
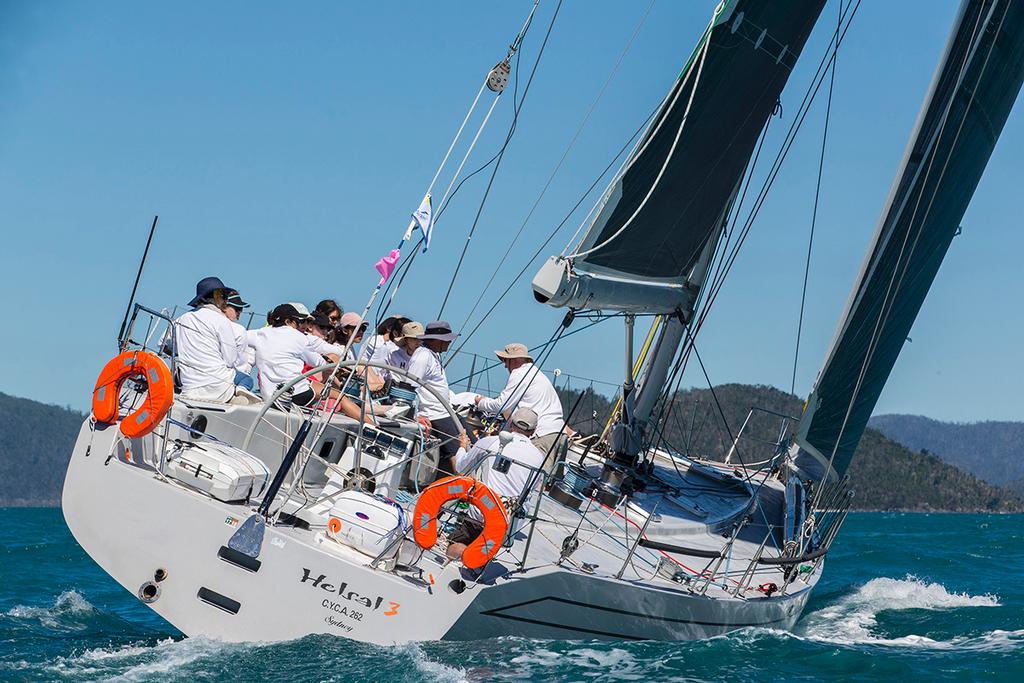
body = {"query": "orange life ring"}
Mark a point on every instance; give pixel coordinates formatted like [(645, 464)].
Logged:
[(155, 406), (488, 543)]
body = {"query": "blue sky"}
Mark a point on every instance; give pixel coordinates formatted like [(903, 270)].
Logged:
[(284, 146)]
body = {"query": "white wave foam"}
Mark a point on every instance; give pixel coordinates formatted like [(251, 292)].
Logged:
[(134, 662), (851, 620), (67, 603), (613, 663), (433, 670)]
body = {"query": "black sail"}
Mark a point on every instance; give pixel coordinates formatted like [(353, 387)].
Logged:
[(671, 200), (970, 98)]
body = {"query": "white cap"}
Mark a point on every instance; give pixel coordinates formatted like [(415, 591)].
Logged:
[(303, 311)]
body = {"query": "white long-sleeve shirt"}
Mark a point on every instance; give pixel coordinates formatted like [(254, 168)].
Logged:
[(426, 365), (479, 462), (281, 353), (207, 347), (528, 387), (248, 358)]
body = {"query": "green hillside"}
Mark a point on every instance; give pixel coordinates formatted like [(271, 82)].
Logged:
[(885, 474), (35, 444), (991, 451)]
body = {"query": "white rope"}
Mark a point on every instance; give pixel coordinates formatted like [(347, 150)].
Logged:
[(643, 139), (561, 161), (457, 135), (483, 124), (675, 142)]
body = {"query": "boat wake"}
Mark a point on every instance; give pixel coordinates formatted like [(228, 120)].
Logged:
[(854, 619), (900, 616)]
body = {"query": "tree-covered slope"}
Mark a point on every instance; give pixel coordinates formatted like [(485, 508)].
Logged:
[(35, 444), (991, 451), (885, 474)]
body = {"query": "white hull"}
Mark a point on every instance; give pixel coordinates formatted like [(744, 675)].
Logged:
[(134, 522)]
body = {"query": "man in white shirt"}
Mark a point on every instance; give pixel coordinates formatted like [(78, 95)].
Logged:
[(206, 346), (425, 365), (503, 463), (528, 387)]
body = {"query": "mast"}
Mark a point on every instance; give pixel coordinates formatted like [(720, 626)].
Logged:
[(968, 102)]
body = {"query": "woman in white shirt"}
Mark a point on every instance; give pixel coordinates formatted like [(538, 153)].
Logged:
[(282, 351)]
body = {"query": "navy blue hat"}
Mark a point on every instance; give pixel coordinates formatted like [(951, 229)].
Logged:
[(205, 288)]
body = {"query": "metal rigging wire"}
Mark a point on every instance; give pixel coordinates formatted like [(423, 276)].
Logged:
[(814, 212), (500, 156), (561, 161)]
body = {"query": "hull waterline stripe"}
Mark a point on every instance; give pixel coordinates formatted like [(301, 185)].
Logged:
[(497, 612)]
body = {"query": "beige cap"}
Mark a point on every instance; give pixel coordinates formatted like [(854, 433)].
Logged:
[(525, 419), (515, 350), (412, 329)]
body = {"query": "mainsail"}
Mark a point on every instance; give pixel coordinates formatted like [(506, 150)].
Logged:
[(670, 203), (969, 100)]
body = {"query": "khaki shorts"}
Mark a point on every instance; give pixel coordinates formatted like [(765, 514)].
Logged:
[(553, 446)]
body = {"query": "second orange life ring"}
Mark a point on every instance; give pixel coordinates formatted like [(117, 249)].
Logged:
[(155, 406), (488, 543)]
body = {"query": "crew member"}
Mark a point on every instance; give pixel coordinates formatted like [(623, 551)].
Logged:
[(206, 347), (528, 387), (331, 309), (406, 343), (378, 347), (426, 366), (232, 308), (352, 327), (514, 482)]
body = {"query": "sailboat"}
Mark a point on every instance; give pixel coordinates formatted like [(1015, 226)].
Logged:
[(268, 521)]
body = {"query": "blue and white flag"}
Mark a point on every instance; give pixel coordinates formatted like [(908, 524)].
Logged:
[(424, 218)]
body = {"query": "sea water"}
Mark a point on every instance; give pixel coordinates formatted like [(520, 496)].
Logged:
[(930, 597)]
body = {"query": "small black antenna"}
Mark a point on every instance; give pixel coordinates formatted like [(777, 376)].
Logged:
[(135, 287)]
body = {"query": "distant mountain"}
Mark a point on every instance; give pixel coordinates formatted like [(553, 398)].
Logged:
[(885, 474), (991, 451), (35, 445), (36, 442)]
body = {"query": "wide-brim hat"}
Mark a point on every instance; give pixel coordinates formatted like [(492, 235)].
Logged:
[(411, 329), (514, 350), (440, 330), (206, 287)]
